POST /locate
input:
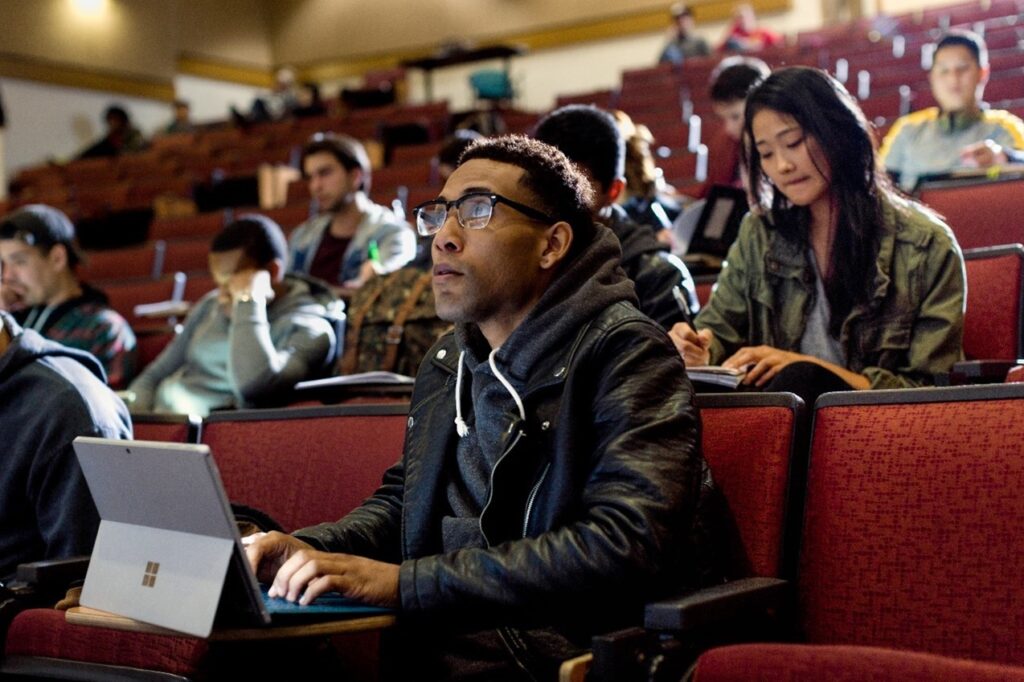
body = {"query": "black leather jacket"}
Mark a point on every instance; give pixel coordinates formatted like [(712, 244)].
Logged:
[(591, 506), (664, 285)]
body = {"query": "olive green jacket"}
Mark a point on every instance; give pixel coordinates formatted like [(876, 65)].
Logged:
[(910, 329)]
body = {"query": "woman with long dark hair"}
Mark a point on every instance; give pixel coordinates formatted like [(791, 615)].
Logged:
[(835, 281)]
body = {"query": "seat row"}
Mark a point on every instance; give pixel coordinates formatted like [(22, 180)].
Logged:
[(887, 542), (301, 466), (891, 520)]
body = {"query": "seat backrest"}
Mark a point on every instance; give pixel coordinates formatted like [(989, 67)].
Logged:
[(305, 465), (914, 526), (995, 303), (981, 214), (201, 225), (124, 295), (167, 428), (133, 261), (752, 442)]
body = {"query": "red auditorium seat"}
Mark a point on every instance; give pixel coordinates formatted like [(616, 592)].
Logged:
[(288, 217), (604, 99), (752, 442), (134, 261), (386, 180), (150, 342), (981, 214), (704, 284), (995, 303), (168, 428), (414, 153), (302, 466), (913, 522), (298, 191), (809, 663), (204, 225), (198, 285), (124, 295), (190, 256), (305, 465), (913, 530)]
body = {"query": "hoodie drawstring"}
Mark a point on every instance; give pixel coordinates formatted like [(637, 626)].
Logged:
[(460, 424)]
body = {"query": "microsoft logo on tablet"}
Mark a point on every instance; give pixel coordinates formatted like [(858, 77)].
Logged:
[(149, 579)]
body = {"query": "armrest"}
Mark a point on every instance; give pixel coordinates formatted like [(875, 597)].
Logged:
[(53, 573), (977, 372), (713, 605)]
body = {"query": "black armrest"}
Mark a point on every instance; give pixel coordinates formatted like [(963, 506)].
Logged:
[(976, 372), (713, 605), (53, 573)]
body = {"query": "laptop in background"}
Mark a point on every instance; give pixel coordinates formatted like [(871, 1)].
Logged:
[(716, 228), (168, 552)]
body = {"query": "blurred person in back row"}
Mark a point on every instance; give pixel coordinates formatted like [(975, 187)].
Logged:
[(961, 132), (352, 239), (683, 43), (39, 287), (730, 82), (250, 341)]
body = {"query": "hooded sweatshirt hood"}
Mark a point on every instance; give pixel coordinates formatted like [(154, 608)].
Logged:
[(490, 412), (636, 239), (28, 346)]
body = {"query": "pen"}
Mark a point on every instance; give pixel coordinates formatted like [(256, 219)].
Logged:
[(677, 293)]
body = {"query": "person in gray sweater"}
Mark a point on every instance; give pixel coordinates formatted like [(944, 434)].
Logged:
[(250, 341), (49, 394)]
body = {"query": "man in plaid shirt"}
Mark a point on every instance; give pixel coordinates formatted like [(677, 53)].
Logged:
[(39, 287)]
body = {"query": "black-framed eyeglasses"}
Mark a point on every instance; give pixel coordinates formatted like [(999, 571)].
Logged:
[(473, 210)]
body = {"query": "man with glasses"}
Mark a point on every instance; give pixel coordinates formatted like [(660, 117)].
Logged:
[(551, 468), (39, 287)]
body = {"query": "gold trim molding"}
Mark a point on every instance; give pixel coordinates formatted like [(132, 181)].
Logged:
[(205, 67), (645, 21), (27, 68)]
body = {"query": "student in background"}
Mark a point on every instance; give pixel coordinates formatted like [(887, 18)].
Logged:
[(647, 198), (121, 137), (38, 285), (336, 245), (683, 43), (745, 35), (182, 120), (591, 139), (835, 281), (49, 395), (730, 82), (961, 132), (251, 340)]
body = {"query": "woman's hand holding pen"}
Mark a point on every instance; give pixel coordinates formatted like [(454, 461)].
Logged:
[(694, 346)]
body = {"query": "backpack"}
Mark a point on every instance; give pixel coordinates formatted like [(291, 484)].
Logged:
[(392, 324)]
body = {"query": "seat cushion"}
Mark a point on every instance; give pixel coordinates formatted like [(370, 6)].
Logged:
[(794, 663), (44, 632)]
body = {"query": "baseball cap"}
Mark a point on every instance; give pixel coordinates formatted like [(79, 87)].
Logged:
[(43, 227)]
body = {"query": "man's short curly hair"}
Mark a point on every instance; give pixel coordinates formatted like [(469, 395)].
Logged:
[(562, 191)]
